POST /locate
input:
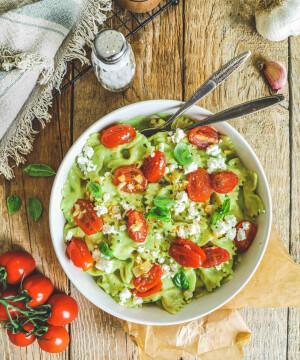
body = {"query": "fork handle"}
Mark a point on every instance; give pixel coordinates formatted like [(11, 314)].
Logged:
[(239, 110)]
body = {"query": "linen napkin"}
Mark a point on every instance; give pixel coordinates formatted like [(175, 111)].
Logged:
[(222, 334), (37, 38)]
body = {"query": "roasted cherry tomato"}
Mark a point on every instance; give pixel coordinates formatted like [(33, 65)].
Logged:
[(11, 291), (137, 226), (64, 309), (79, 254), (250, 231), (147, 281), (21, 339), (199, 185), (39, 287), (18, 264), (154, 166), (86, 217), (215, 256), (187, 253), (130, 179), (55, 340), (203, 137), (224, 181), (151, 291), (117, 135)]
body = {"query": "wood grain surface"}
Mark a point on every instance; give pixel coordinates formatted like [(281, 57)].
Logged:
[(175, 53)]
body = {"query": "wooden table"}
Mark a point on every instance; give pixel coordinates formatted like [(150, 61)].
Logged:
[(174, 55)]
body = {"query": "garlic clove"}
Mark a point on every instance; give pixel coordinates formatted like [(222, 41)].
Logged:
[(276, 74)]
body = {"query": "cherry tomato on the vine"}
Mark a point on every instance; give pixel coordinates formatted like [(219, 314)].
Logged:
[(11, 291), (117, 135), (154, 166), (20, 339), (203, 137), (130, 179), (86, 217), (224, 181), (64, 309), (137, 226), (79, 254), (215, 256), (55, 340), (149, 280), (18, 264), (39, 287), (199, 185), (186, 253), (250, 231)]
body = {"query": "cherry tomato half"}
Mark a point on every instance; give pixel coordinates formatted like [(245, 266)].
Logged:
[(187, 253), (131, 178), (56, 339), (203, 137), (18, 264), (137, 226), (11, 291), (250, 231), (39, 287), (215, 256), (64, 309), (151, 291), (154, 166), (79, 254), (224, 181), (117, 135), (199, 185), (20, 339), (147, 281), (86, 217)]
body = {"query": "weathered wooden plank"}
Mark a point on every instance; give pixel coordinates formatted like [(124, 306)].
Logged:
[(293, 350), (215, 33)]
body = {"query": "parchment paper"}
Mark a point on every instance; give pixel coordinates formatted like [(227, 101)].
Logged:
[(222, 334)]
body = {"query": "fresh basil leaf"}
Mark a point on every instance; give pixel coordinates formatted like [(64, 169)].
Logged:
[(105, 250), (13, 203), (215, 218), (180, 280), (226, 207), (221, 212), (163, 201), (159, 213), (39, 170), (34, 208), (182, 154), (96, 190)]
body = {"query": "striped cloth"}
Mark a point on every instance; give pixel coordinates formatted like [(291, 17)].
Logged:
[(37, 38)]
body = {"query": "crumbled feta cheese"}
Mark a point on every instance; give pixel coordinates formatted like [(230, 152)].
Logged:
[(213, 150), (181, 201), (123, 227), (166, 271), (88, 151), (158, 236), (161, 147), (181, 232), (140, 249), (116, 212), (218, 267), (189, 168), (241, 235), (171, 260), (138, 259), (83, 160), (231, 233), (124, 295), (223, 226), (126, 206), (193, 229), (137, 300), (182, 196), (215, 163), (177, 136), (161, 260), (170, 168), (154, 254), (69, 235), (152, 154), (102, 262), (106, 197), (193, 212), (101, 209), (231, 220), (107, 174), (174, 267), (109, 229)]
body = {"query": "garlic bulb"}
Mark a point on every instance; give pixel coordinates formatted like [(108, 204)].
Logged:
[(277, 19), (276, 74)]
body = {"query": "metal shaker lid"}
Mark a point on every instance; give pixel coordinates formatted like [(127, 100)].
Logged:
[(110, 46)]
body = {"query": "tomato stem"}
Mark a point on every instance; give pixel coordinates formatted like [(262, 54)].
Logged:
[(3, 276)]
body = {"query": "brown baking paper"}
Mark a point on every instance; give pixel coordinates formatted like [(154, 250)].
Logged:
[(222, 334)]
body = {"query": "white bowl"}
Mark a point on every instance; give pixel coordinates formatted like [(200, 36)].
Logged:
[(153, 315)]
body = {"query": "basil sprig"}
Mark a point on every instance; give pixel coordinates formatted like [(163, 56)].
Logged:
[(13, 203), (39, 170), (180, 280), (105, 249), (163, 201), (221, 212), (95, 189), (159, 213), (182, 154), (34, 208)]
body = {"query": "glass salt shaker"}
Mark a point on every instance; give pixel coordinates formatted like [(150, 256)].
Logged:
[(113, 60)]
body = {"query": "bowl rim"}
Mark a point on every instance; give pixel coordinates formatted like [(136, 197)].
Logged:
[(96, 127)]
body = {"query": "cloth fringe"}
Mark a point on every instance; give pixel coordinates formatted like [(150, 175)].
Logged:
[(19, 141)]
